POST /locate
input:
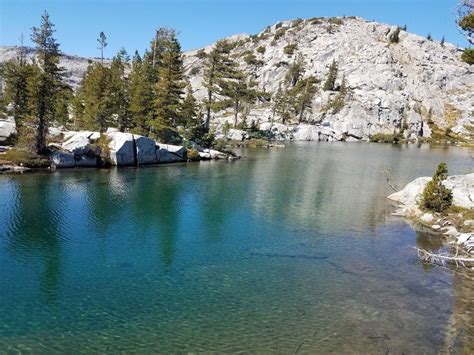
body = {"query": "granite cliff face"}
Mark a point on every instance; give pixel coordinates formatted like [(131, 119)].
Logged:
[(417, 84), (417, 81)]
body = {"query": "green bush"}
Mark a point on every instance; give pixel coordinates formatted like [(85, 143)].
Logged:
[(290, 49), (25, 157), (195, 71), (336, 21), (193, 155), (201, 54), (382, 138), (468, 56), (279, 34), (261, 49), (251, 59), (437, 197)]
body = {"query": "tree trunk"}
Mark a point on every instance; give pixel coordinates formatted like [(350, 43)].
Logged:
[(208, 108), (236, 114), (40, 136)]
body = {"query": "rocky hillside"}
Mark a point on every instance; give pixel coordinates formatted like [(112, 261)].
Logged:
[(418, 82), (74, 66)]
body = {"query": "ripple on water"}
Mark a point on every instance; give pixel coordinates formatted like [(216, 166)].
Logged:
[(290, 252)]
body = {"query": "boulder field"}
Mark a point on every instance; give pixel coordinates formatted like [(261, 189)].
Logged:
[(90, 149)]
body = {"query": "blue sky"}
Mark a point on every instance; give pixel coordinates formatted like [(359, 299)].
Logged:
[(130, 23)]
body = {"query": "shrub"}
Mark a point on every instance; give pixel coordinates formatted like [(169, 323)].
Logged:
[(251, 59), (25, 157), (382, 138), (316, 21), (437, 197), (281, 64), (226, 127), (297, 22), (336, 21), (261, 50), (395, 36), (193, 155), (201, 54), (279, 34), (103, 143), (195, 71), (468, 56), (429, 37), (290, 49)]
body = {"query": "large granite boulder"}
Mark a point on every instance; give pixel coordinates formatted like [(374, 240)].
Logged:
[(62, 159), (146, 150), (122, 148), (461, 185), (236, 135), (86, 161), (167, 153), (306, 133), (207, 154), (7, 129), (79, 144)]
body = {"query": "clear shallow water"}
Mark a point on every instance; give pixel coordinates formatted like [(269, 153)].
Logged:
[(287, 250)]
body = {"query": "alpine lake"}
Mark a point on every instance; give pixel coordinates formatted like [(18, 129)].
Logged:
[(287, 250)]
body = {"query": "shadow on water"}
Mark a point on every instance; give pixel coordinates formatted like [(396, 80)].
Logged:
[(34, 234)]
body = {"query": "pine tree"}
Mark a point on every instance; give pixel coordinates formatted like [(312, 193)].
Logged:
[(169, 87), (238, 90), (102, 44), (140, 94), (295, 71), (93, 93), (330, 83), (49, 80), (219, 67), (16, 75), (436, 197), (189, 110), (117, 95), (282, 103), (304, 92)]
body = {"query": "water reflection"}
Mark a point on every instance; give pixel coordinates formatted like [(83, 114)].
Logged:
[(225, 252)]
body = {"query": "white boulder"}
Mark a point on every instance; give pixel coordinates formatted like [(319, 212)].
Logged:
[(7, 128), (306, 133), (236, 135), (146, 150), (462, 187), (122, 148), (61, 159), (78, 144), (167, 153)]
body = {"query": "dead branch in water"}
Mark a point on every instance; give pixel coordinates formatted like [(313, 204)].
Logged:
[(442, 259), (387, 173)]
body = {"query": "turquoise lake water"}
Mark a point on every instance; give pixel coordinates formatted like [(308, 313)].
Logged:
[(286, 250)]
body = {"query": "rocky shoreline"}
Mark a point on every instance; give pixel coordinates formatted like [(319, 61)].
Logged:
[(457, 225), (89, 149)]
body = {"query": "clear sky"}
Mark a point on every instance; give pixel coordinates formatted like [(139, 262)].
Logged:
[(131, 23)]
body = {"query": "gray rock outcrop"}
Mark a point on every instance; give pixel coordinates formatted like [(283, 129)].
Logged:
[(462, 187)]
